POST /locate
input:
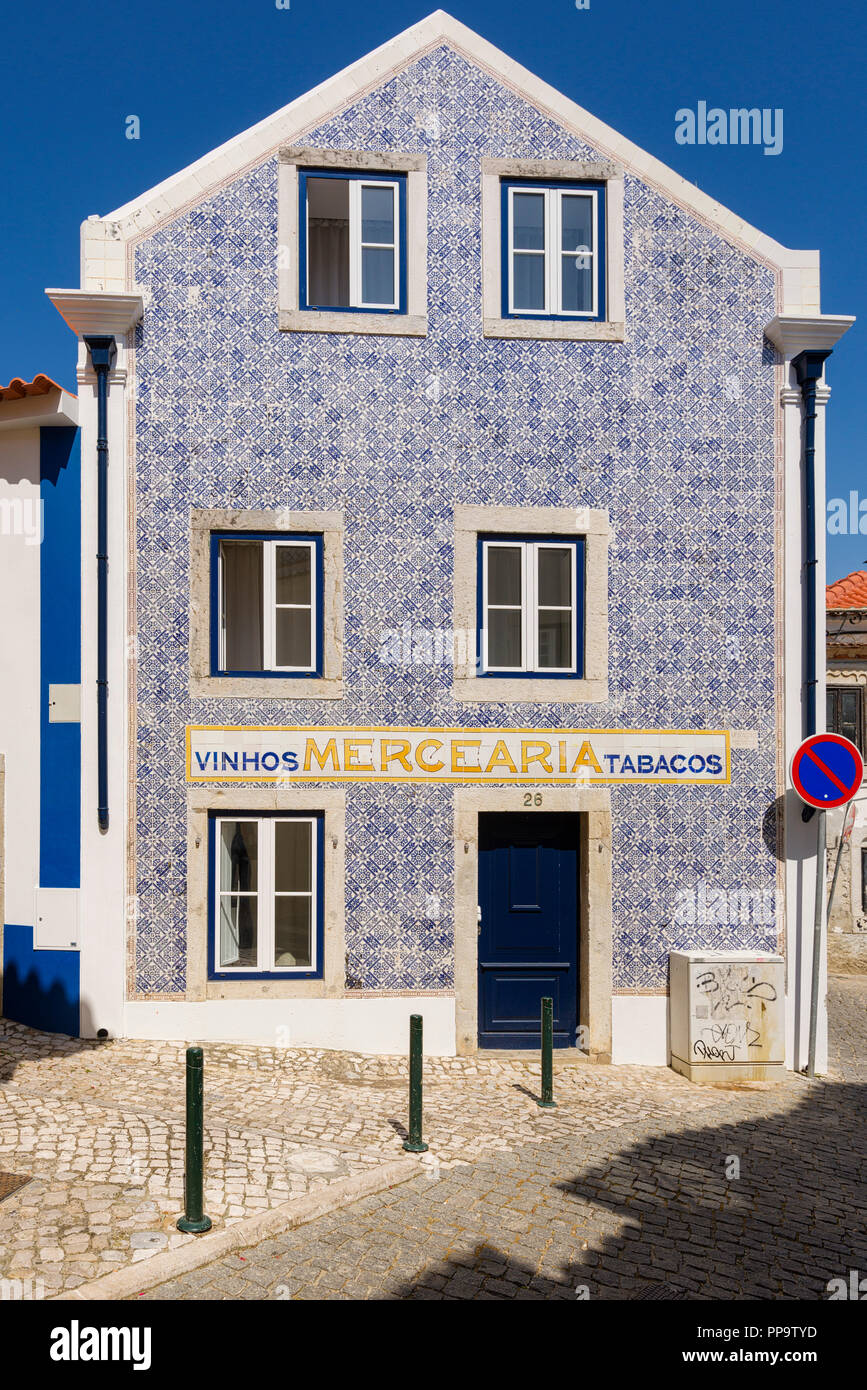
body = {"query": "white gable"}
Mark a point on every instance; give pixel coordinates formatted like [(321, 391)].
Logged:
[(104, 239)]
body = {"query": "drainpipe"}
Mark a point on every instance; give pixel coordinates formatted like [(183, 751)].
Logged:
[(808, 366), (103, 352)]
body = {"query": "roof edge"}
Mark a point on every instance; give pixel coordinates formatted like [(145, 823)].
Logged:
[(51, 407), (103, 267)]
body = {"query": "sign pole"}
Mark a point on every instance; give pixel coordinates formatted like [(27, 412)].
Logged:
[(817, 940), (827, 770)]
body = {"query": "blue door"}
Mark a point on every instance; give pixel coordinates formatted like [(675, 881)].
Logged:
[(528, 927)]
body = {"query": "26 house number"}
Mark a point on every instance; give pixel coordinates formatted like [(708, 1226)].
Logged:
[(532, 798)]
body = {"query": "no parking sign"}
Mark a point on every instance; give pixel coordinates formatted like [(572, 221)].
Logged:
[(827, 771)]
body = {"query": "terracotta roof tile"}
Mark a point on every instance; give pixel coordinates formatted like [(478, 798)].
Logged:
[(17, 389), (850, 592)]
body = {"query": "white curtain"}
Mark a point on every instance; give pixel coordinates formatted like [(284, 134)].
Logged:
[(328, 261), (242, 605)]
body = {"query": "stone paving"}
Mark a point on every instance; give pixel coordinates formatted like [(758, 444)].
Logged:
[(627, 1190), (99, 1128), (621, 1188)]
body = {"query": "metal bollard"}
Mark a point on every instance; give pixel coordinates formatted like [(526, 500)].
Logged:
[(194, 1220), (547, 1102), (415, 1144)]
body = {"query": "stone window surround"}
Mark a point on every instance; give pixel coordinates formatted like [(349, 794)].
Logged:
[(613, 327), (291, 318), (330, 801), (328, 686), (593, 806), (473, 521)]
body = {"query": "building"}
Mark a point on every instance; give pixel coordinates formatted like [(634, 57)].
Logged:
[(448, 652), (846, 640), (40, 682)]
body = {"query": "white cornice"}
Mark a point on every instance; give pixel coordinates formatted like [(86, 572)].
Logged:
[(96, 311), (56, 407), (793, 333), (290, 125)]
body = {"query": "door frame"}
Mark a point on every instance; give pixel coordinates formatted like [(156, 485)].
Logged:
[(593, 807)]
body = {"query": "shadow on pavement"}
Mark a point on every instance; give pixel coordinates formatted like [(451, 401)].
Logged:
[(787, 1224)]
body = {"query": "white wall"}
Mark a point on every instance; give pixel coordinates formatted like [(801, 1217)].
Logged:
[(19, 670), (639, 1029), (355, 1025), (103, 856)]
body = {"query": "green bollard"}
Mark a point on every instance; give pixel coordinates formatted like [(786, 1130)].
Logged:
[(415, 1144), (194, 1220), (547, 1102)]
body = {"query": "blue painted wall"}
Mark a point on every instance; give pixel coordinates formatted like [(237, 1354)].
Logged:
[(41, 988), (60, 599)]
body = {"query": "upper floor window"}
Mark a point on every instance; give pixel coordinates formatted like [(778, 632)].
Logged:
[(531, 607), (553, 250), (353, 239), (845, 711), (266, 605)]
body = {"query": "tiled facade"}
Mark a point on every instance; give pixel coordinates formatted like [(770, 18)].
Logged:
[(671, 432)]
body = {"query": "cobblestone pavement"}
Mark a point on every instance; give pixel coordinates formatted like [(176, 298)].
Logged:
[(623, 1182), (626, 1190), (847, 1040), (99, 1130)]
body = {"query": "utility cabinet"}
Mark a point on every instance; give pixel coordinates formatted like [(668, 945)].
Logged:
[(727, 1015)]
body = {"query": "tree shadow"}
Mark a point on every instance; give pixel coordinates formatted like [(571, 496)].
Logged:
[(688, 1228)]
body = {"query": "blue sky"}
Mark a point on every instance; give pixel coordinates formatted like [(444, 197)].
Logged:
[(196, 72)]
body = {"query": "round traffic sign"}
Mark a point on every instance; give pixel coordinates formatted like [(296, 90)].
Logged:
[(827, 770)]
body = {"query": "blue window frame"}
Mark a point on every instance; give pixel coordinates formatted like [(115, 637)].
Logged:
[(266, 916), (553, 250), (352, 241), (266, 604), (531, 606)]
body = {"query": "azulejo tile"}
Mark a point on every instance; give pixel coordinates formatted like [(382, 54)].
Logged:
[(232, 412)]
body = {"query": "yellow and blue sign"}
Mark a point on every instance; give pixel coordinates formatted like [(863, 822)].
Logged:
[(292, 754)]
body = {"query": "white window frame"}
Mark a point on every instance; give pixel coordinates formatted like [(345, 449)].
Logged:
[(266, 895), (530, 633), (356, 245), (269, 600), (553, 251)]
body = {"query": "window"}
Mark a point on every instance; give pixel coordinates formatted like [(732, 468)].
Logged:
[(266, 605), (267, 918), (352, 245), (531, 604), (844, 710), (553, 239)]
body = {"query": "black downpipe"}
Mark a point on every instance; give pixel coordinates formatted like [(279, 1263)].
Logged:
[(103, 352), (808, 366)]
